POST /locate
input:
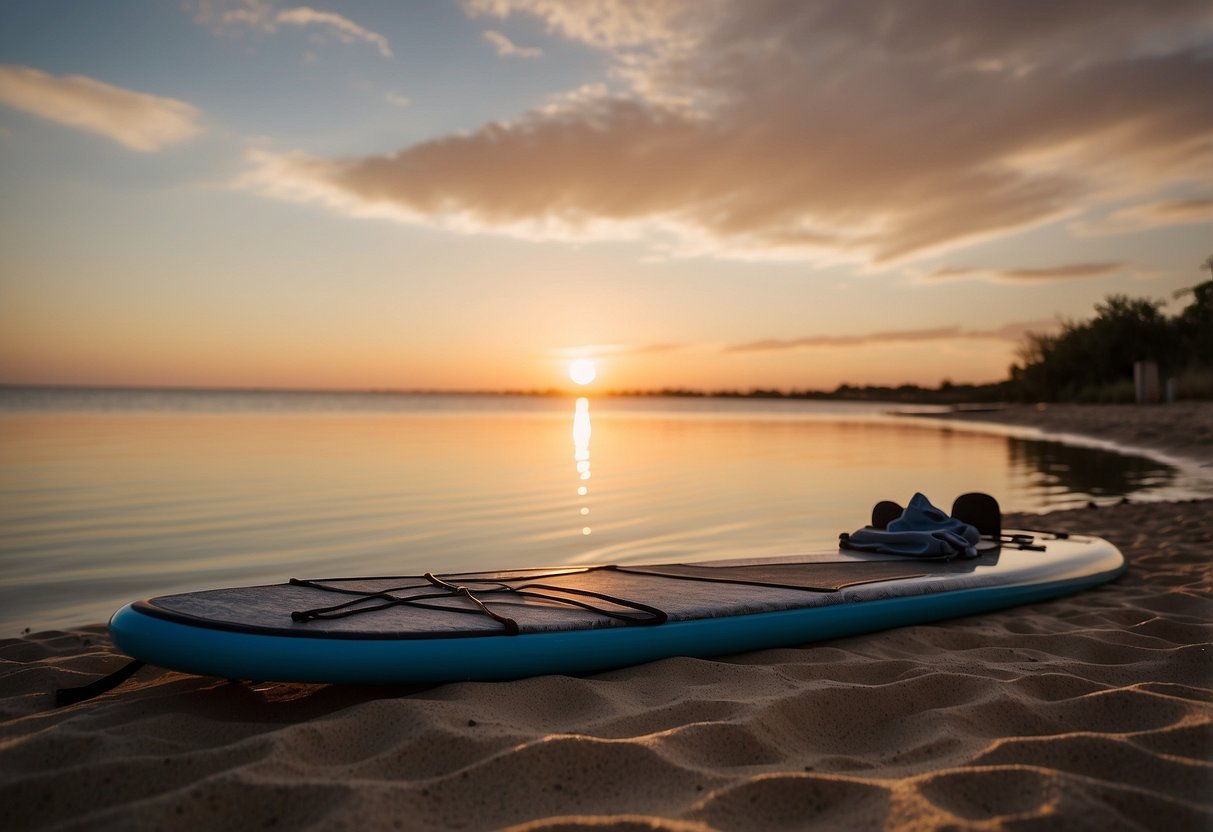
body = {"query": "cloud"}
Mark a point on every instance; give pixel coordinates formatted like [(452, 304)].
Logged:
[(235, 16), (506, 48), (611, 26), (1062, 272), (1150, 215), (397, 99), (866, 132), (1067, 271), (137, 120), (346, 30), (1008, 332)]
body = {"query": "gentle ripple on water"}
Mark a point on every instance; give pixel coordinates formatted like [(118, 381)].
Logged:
[(110, 495)]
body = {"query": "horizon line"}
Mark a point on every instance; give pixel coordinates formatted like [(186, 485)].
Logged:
[(531, 392)]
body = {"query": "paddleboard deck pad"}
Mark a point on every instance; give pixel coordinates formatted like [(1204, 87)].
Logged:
[(436, 628)]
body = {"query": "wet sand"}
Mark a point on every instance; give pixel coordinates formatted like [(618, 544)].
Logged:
[(1089, 712), (1183, 429)]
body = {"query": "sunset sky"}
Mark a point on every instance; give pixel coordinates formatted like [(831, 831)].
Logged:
[(700, 193)]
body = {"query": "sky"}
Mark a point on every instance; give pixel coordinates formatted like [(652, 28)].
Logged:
[(471, 195)]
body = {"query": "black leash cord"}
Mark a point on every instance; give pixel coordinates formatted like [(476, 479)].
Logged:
[(648, 615), (511, 626), (70, 696)]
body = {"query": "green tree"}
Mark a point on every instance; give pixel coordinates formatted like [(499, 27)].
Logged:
[(1031, 379), (1094, 359), (1195, 323), (1126, 330)]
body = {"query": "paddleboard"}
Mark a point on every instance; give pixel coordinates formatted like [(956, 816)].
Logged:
[(436, 628)]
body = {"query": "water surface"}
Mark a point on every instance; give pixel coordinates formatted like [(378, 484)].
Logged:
[(106, 496)]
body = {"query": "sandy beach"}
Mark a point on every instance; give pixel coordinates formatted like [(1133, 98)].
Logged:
[(1089, 712)]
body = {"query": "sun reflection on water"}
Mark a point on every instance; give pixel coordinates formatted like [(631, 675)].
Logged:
[(581, 450)]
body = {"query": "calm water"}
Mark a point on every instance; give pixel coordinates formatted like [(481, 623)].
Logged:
[(106, 496)]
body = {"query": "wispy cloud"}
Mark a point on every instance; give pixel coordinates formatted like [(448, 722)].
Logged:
[(136, 120), (264, 16), (609, 24), (397, 99), (1068, 271), (1150, 215), (1008, 332), (870, 132), (506, 48), (346, 30), (1062, 272)]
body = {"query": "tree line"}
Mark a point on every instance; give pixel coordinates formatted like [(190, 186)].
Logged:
[(1092, 361), (1087, 361)]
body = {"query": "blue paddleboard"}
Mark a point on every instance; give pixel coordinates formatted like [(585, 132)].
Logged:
[(517, 623)]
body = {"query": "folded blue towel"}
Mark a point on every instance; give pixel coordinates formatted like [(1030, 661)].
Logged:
[(922, 531)]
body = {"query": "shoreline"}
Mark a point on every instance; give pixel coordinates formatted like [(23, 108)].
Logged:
[(1182, 431), (1094, 710)]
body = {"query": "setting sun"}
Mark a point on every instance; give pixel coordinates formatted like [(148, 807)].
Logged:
[(582, 371)]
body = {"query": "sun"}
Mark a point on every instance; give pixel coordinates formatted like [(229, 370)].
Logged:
[(582, 371)]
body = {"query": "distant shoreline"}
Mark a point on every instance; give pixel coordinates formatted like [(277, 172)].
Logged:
[(903, 394)]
